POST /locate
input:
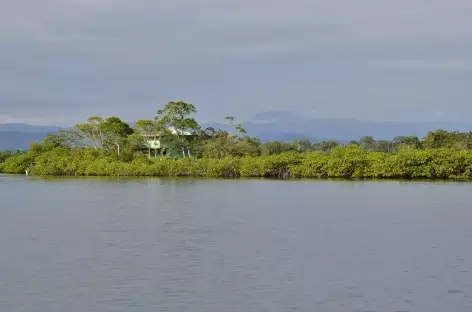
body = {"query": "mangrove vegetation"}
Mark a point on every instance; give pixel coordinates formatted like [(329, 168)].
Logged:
[(174, 144)]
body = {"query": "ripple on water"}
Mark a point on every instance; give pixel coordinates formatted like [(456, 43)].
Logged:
[(234, 246)]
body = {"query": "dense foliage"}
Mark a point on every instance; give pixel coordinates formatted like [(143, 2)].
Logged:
[(341, 162), (110, 147)]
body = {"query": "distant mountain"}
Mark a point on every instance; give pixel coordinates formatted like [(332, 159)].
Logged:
[(18, 136), (286, 126), (16, 140), (21, 127), (272, 125), (275, 116), (266, 133)]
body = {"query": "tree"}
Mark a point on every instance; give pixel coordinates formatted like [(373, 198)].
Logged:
[(367, 142), (221, 144), (383, 146), (6, 154), (93, 132), (178, 116), (302, 145), (116, 132), (276, 147), (214, 144), (465, 141), (325, 146), (110, 133), (64, 138), (209, 132), (145, 132), (411, 141), (230, 120), (246, 146), (329, 145), (240, 130), (440, 138)]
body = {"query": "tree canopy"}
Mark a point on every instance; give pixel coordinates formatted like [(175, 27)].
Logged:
[(101, 141)]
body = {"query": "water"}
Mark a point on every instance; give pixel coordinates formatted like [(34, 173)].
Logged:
[(205, 245)]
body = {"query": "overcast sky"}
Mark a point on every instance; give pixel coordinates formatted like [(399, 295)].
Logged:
[(64, 60)]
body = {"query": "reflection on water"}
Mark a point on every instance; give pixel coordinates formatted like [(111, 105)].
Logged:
[(217, 245)]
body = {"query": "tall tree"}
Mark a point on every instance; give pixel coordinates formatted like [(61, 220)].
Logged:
[(178, 117), (441, 138), (63, 138), (230, 120), (240, 130), (93, 132), (367, 143), (110, 133), (382, 146), (146, 132), (221, 144), (411, 141), (116, 132), (302, 145)]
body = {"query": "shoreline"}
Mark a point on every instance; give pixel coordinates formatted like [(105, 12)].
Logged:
[(131, 177)]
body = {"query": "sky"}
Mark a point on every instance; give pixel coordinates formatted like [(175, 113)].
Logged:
[(62, 61)]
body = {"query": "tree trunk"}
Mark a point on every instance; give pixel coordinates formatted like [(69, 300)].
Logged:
[(149, 153)]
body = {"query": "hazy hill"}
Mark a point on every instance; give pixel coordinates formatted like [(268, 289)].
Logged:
[(272, 125), (21, 127), (16, 140), (282, 125)]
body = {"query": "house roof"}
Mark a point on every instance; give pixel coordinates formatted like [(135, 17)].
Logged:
[(172, 130)]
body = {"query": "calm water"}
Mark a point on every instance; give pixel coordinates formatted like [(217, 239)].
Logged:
[(202, 245)]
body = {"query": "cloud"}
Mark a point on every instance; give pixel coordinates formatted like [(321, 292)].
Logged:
[(367, 59)]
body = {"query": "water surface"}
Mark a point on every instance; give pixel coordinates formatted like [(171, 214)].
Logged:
[(220, 245)]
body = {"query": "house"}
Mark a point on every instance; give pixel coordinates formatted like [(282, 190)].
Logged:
[(166, 147)]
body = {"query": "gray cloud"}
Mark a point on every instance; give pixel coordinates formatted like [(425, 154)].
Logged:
[(63, 61)]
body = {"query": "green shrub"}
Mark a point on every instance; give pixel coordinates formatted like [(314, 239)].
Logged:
[(341, 162)]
